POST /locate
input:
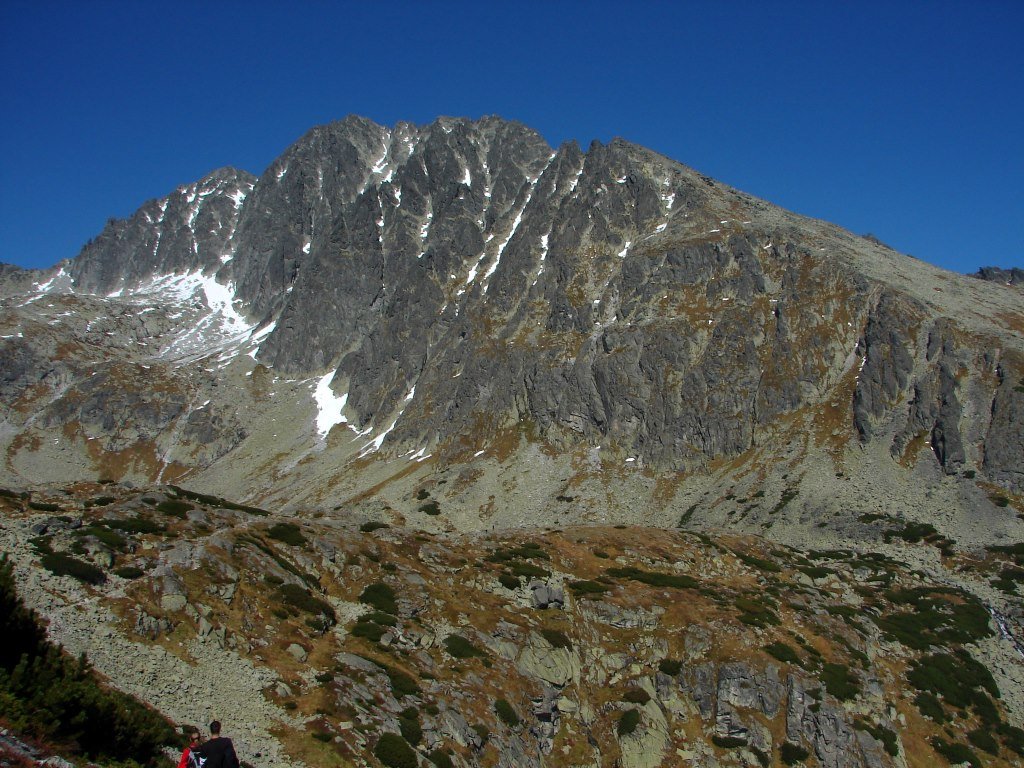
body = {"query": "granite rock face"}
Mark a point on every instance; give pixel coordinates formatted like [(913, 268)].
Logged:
[(458, 280)]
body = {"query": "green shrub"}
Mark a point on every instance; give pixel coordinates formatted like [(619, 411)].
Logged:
[(47, 695), (930, 706), (410, 729), (556, 638), (955, 753), (322, 736), (372, 525), (792, 754), (508, 581), (297, 597), (273, 579), (380, 596), (60, 564), (129, 572), (728, 742), (1013, 737), (628, 722), (422, 494), (839, 682), (783, 652), (440, 759), (401, 683), (394, 752), (955, 678), (379, 617), (482, 731), (675, 581), (754, 613), (983, 739), (885, 735), (44, 506), (587, 589), (460, 648), (998, 500), (112, 539), (432, 508), (528, 570), (134, 525), (636, 696), (670, 667), (506, 713), (174, 508), (368, 630), (287, 533)]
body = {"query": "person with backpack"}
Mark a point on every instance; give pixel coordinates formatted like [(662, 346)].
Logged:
[(218, 752), (187, 760)]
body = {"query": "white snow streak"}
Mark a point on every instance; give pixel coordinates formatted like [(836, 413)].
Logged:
[(329, 407)]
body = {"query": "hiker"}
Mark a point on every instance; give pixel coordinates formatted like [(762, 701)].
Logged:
[(218, 751), (193, 743)]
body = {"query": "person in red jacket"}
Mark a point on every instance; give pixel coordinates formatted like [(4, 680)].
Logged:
[(193, 742)]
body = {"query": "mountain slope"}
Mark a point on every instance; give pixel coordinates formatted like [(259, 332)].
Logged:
[(462, 295)]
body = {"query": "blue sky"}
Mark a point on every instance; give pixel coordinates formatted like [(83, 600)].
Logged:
[(903, 119)]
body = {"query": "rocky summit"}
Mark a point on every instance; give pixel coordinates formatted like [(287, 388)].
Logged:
[(615, 437)]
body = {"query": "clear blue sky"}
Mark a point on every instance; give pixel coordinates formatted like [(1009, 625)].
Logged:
[(903, 119)]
